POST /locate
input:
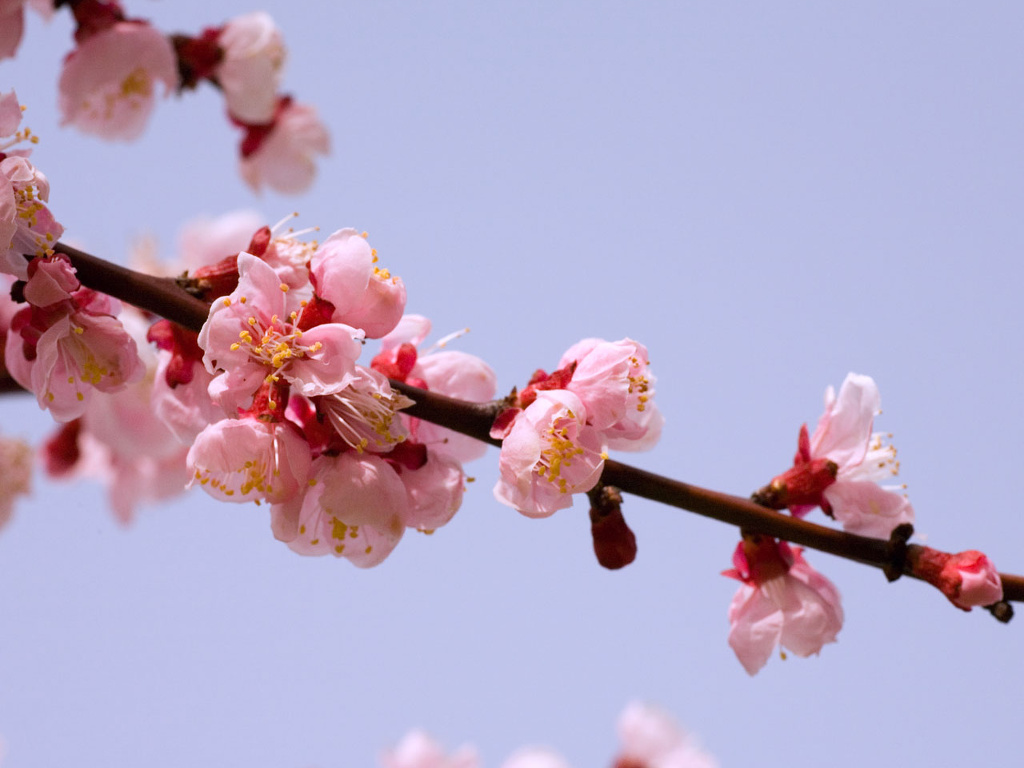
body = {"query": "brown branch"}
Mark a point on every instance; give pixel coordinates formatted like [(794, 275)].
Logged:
[(159, 295), (165, 297)]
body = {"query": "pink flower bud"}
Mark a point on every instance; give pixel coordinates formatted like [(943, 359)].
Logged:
[(966, 578)]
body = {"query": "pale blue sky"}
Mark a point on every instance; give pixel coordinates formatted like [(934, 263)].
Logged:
[(768, 197)]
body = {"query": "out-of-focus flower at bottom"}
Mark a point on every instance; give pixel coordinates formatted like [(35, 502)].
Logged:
[(419, 750), (650, 738)]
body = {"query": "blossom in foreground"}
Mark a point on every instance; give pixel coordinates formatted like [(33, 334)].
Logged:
[(70, 344), (651, 738), (109, 83), (345, 272), (254, 335), (354, 508), (614, 381), (15, 474), (280, 154), (549, 454), (968, 578), (249, 459), (840, 466), (782, 602)]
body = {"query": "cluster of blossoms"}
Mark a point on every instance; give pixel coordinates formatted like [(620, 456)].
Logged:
[(110, 81), (556, 435), (306, 428), (268, 402), (648, 738), (842, 469)]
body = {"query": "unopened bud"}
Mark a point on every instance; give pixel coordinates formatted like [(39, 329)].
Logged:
[(614, 542)]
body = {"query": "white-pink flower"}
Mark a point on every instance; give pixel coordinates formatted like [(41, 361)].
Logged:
[(250, 460), (354, 507), (651, 738), (840, 467), (252, 336), (281, 155), (76, 353), (109, 82), (614, 381), (364, 295), (435, 491), (26, 225), (250, 72), (782, 602), (418, 749), (549, 454)]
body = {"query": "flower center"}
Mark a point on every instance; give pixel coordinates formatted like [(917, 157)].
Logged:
[(558, 451)]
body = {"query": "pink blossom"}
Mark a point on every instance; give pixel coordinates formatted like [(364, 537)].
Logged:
[(966, 578), (341, 268), (73, 353), (548, 455), (782, 602), (614, 381), (651, 738), (250, 71), (281, 154), (252, 336), (50, 282), (435, 491), (364, 295), (354, 508), (108, 84), (840, 466), (26, 224), (15, 475), (249, 460), (184, 407), (418, 750)]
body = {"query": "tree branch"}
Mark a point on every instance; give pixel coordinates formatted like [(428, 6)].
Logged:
[(167, 298)]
